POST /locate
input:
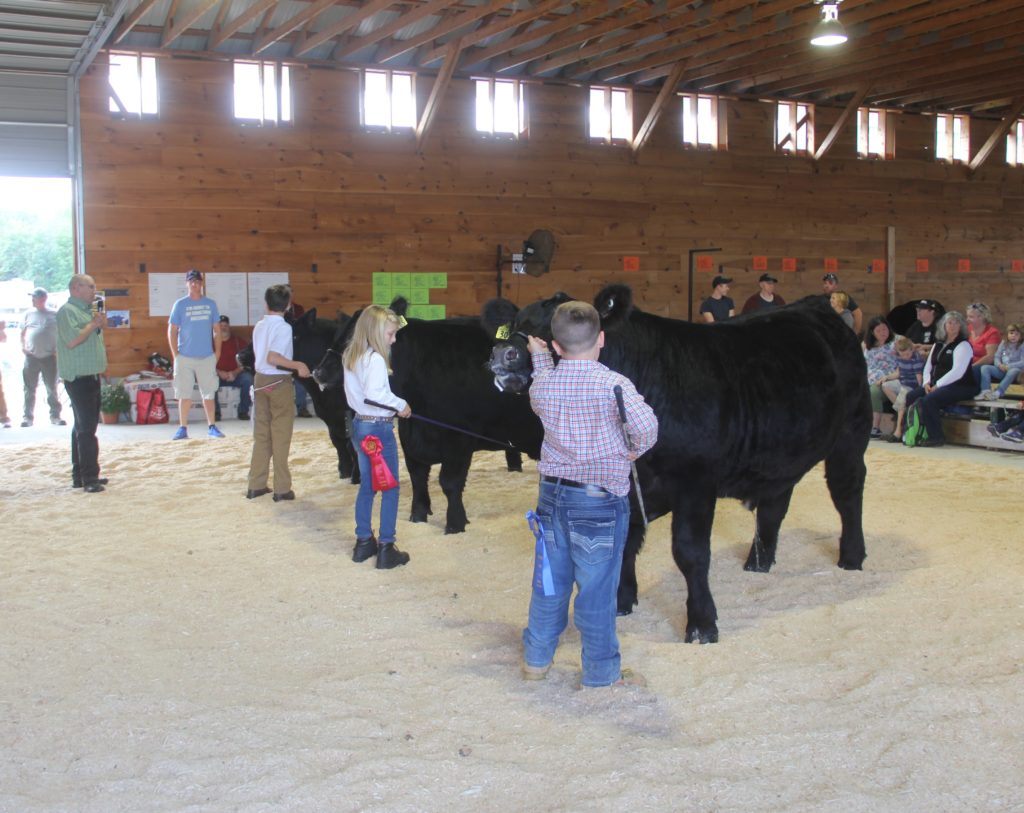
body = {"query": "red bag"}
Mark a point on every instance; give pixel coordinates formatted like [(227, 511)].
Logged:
[(150, 406), (380, 475)]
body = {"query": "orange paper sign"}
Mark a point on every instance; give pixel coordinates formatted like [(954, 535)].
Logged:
[(963, 266), (789, 264), (630, 263), (831, 265), (921, 265), (760, 263), (1017, 266), (704, 262), (878, 266)]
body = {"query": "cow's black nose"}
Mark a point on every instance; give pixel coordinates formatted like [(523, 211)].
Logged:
[(510, 356)]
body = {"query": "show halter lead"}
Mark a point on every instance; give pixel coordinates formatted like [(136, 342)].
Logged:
[(507, 443), (629, 445)]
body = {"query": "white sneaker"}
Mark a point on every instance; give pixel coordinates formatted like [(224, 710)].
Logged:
[(989, 395)]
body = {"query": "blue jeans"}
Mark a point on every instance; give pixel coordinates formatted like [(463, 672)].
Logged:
[(244, 385), (934, 402), (584, 533), (990, 373), (364, 499)]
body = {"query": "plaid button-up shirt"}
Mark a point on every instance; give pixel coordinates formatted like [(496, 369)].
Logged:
[(582, 428)]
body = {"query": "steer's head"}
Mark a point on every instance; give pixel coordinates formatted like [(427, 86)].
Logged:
[(510, 360), (329, 341)]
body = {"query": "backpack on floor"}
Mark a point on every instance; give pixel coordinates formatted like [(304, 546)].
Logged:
[(150, 406), (914, 431)]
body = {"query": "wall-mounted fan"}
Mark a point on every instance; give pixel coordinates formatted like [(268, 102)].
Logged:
[(535, 258)]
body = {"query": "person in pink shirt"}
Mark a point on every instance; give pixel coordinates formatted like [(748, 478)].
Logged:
[(983, 336)]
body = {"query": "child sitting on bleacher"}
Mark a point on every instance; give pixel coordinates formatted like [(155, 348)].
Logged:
[(1011, 429), (1006, 366), (909, 370)]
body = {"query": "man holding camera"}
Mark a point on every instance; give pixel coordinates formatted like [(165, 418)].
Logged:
[(81, 359)]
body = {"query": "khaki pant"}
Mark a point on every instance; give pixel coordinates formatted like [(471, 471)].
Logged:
[(273, 418)]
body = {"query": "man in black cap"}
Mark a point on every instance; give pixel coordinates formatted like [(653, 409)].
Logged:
[(718, 307), (766, 298), (922, 332), (829, 285), (39, 344)]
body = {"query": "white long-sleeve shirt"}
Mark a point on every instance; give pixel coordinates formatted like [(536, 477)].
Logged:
[(369, 381)]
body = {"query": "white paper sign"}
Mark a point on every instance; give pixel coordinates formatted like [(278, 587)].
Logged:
[(259, 281), (230, 292), (164, 291)]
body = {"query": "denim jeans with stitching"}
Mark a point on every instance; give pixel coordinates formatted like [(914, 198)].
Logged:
[(364, 499), (584, 533)]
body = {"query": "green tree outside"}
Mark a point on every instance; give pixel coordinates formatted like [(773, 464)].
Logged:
[(36, 240)]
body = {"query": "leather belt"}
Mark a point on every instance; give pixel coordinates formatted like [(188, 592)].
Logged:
[(375, 418), (562, 481)]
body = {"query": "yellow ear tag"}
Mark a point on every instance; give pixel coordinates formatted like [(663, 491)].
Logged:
[(402, 321), (502, 332)]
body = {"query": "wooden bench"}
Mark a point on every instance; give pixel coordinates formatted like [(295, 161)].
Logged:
[(972, 430)]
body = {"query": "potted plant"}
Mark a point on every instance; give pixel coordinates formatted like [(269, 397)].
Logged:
[(113, 401)]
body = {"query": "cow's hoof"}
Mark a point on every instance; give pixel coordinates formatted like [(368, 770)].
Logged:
[(752, 565), (451, 529), (418, 516), (625, 606), (851, 565), (709, 636), (518, 468)]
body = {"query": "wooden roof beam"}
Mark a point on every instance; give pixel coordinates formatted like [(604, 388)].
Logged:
[(665, 95), (222, 33), (997, 135), (182, 24), (132, 21), (307, 15), (456, 22), (444, 78), (425, 10), (347, 23), (837, 128)]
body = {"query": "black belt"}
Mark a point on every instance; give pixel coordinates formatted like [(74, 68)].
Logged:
[(562, 481)]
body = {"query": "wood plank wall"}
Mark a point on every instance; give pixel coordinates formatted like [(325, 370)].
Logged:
[(196, 189)]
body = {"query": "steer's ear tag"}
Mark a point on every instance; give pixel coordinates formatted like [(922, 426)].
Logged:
[(402, 321), (502, 332)]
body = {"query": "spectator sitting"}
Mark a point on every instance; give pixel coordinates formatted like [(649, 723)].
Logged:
[(830, 284), (881, 360), (947, 376), (840, 302), (983, 336), (910, 367), (1007, 366), (1012, 428), (765, 298), (922, 332), (718, 307), (230, 371)]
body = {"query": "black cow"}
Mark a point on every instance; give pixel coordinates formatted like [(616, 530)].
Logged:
[(745, 409), (311, 338), (441, 369)]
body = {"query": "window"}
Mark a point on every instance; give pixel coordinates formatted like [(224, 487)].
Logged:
[(500, 109), (611, 114), (132, 80), (388, 100), (952, 138), (263, 92), (1015, 144), (701, 125), (875, 137), (794, 128)]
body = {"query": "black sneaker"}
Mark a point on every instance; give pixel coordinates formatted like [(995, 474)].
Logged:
[(389, 556), (364, 549)]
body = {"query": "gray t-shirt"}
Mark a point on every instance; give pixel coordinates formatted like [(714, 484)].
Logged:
[(41, 333)]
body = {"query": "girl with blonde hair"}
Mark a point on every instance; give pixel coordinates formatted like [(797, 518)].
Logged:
[(367, 362)]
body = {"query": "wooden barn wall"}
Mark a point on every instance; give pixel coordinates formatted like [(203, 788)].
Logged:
[(196, 189)]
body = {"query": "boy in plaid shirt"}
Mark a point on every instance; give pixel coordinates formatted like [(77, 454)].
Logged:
[(583, 504)]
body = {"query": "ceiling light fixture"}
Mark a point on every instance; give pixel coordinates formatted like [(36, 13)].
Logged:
[(829, 31)]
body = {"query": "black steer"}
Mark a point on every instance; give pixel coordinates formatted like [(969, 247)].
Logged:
[(745, 409), (440, 369)]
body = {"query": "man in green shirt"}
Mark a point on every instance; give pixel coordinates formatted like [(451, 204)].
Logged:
[(81, 359)]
